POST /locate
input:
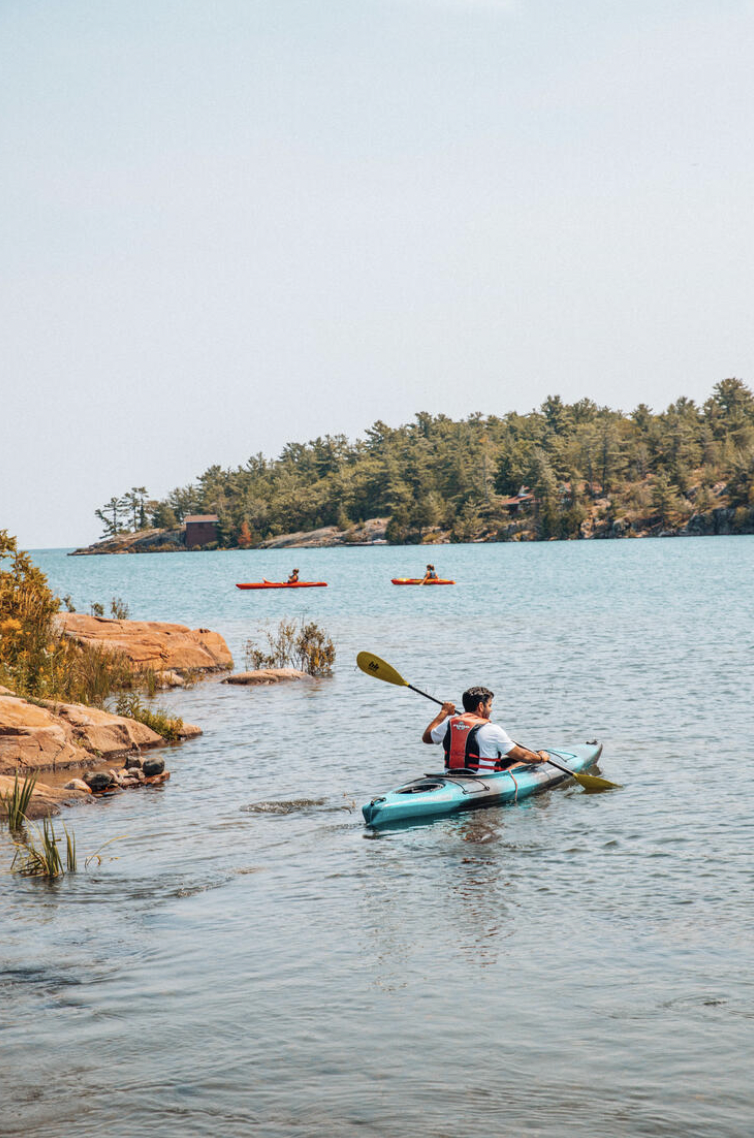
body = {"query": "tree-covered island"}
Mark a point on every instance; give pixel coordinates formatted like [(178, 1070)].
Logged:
[(561, 471)]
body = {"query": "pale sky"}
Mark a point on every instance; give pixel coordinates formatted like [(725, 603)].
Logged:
[(229, 225)]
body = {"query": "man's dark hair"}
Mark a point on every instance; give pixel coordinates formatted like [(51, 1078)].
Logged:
[(474, 696)]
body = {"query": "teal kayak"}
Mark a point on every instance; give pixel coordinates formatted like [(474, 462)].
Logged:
[(434, 795)]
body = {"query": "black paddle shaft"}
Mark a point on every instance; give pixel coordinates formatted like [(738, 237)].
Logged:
[(419, 692), (561, 765)]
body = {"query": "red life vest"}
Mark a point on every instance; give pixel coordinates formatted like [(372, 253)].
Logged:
[(461, 748)]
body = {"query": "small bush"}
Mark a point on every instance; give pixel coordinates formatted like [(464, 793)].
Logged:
[(119, 609), (316, 651), (130, 705), (704, 500), (304, 646), (27, 610), (742, 519)]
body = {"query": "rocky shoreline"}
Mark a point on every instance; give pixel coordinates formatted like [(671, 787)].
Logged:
[(51, 737), (601, 524), (47, 737), (98, 752)]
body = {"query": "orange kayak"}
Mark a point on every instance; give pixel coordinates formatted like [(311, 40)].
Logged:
[(283, 585), (420, 581)]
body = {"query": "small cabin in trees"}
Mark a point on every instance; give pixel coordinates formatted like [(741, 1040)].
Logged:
[(200, 529), (515, 503)]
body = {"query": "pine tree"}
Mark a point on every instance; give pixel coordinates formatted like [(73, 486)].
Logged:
[(111, 514), (134, 504), (664, 497)]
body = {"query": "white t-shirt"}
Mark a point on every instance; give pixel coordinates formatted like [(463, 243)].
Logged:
[(492, 740)]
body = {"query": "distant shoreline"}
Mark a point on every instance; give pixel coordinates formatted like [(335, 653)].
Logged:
[(723, 521)]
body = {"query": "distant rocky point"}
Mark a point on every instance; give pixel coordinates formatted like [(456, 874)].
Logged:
[(143, 541), (370, 532)]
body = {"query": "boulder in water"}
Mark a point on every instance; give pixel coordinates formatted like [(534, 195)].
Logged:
[(98, 780)]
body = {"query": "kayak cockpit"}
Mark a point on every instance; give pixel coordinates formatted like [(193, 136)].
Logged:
[(468, 782), (422, 786)]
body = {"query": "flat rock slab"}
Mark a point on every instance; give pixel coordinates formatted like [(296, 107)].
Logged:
[(51, 736), (102, 732), (189, 731), (45, 800), (32, 739), (152, 644), (266, 676)]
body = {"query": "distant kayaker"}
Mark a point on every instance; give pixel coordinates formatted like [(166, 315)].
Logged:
[(471, 741), (293, 577), (430, 575)]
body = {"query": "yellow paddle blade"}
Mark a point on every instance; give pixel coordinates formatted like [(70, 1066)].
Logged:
[(374, 666), (592, 784)]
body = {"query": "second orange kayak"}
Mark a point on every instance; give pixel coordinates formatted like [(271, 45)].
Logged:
[(420, 581)]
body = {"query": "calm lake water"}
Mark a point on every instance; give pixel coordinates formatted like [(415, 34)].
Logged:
[(577, 964)]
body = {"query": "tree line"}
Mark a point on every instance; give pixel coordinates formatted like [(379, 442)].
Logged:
[(437, 473)]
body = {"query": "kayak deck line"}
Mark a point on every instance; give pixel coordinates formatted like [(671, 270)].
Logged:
[(436, 795)]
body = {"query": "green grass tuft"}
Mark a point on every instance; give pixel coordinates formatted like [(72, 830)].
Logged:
[(16, 801), (130, 704), (39, 855)]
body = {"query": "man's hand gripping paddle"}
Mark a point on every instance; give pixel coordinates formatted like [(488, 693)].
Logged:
[(374, 666)]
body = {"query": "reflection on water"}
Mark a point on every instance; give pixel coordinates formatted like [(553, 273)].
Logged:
[(251, 959)]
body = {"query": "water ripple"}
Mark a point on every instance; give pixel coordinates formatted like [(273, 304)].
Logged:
[(253, 960)]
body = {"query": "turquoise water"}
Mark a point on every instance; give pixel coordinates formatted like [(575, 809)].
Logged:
[(577, 964)]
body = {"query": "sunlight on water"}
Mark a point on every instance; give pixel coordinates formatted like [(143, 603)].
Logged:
[(248, 958)]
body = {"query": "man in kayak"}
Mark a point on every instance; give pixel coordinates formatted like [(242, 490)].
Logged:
[(430, 575), (293, 577), (471, 741)]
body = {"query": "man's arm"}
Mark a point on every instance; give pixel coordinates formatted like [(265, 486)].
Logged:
[(521, 754), (448, 708)]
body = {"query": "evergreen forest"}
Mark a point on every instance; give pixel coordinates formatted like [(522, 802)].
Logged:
[(582, 467)]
